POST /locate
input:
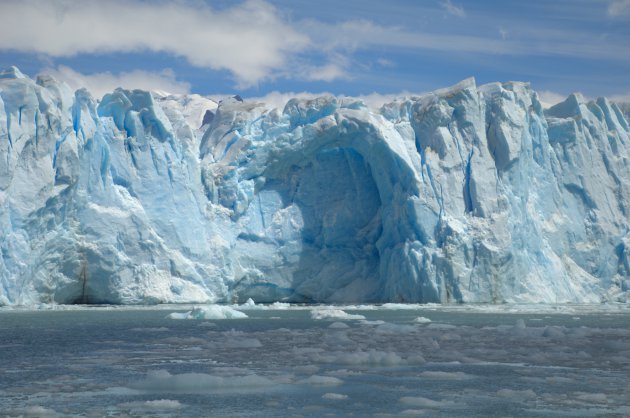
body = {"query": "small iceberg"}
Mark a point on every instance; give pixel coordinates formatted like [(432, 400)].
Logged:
[(209, 312)]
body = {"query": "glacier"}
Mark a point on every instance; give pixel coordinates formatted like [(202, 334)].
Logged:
[(466, 194)]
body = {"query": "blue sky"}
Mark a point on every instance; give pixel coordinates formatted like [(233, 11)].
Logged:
[(351, 47)]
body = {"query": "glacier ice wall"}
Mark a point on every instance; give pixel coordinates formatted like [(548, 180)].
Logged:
[(467, 194)]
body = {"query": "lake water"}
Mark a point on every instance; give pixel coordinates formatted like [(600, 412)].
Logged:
[(535, 361)]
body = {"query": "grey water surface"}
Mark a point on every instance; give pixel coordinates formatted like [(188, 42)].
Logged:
[(424, 361)]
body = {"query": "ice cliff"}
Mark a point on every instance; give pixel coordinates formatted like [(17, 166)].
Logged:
[(467, 194)]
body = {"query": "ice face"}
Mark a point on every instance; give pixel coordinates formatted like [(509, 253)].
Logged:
[(470, 194)]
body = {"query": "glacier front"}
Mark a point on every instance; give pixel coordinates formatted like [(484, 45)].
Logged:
[(467, 194)]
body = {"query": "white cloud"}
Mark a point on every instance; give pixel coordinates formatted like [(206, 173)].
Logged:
[(549, 98), (362, 34), (453, 9), (254, 42), (620, 98), (353, 35), (619, 8), (384, 62), (328, 72), (100, 83), (250, 39), (336, 68)]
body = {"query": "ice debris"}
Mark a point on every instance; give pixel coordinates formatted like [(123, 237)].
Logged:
[(209, 312)]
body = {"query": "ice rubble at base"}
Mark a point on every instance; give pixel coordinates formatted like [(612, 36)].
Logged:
[(470, 194), (209, 312), (332, 313)]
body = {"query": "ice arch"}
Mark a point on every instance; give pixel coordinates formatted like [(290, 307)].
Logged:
[(337, 218)]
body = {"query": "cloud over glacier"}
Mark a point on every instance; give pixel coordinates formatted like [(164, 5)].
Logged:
[(104, 82), (258, 46), (249, 39)]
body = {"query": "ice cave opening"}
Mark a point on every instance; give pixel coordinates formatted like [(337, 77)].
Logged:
[(312, 233)]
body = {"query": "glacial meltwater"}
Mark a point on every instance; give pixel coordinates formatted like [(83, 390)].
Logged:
[(281, 360)]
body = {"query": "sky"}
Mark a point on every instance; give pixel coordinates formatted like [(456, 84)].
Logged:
[(278, 48)]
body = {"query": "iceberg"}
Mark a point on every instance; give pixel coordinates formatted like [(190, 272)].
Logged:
[(467, 194), (209, 312)]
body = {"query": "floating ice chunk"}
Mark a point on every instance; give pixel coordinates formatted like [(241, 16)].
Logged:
[(413, 412), (39, 411), (330, 313), (159, 405), (439, 375), (209, 312), (250, 304), (318, 380), (592, 397), (422, 320), (334, 396), (161, 381), (338, 325), (517, 394), (376, 322), (280, 305), (421, 402)]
